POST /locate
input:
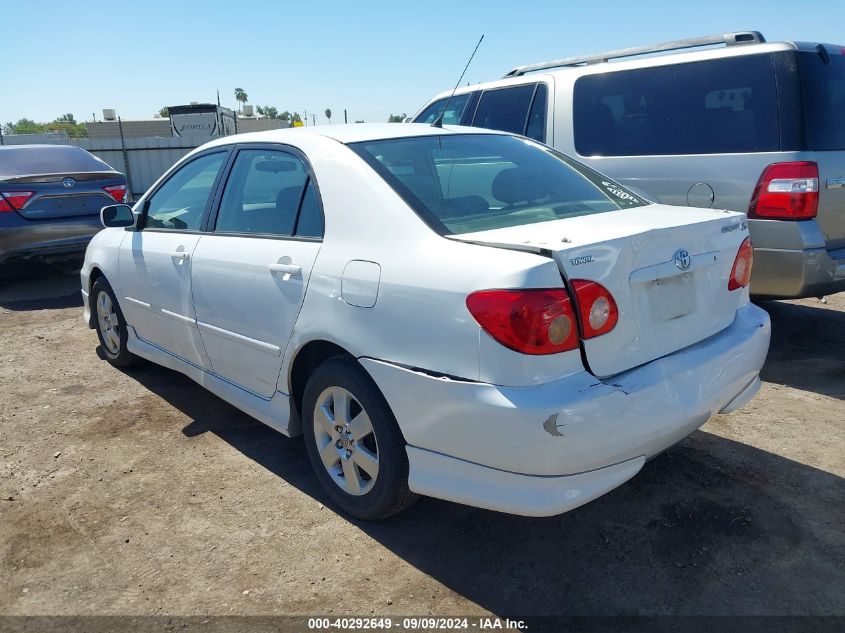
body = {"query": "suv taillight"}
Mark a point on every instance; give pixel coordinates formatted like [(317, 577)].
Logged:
[(14, 200), (786, 191), (741, 271), (118, 192), (599, 313), (534, 321)]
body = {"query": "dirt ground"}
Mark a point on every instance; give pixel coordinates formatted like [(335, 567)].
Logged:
[(140, 493)]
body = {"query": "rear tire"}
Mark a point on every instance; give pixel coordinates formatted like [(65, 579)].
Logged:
[(353, 441), (111, 326)]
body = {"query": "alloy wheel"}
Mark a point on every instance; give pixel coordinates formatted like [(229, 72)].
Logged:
[(108, 322), (346, 441)]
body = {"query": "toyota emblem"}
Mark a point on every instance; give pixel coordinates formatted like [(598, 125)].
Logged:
[(682, 259)]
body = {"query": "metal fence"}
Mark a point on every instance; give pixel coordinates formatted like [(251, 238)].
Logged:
[(143, 160)]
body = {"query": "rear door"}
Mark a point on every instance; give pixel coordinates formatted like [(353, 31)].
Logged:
[(823, 80), (155, 261), (251, 272)]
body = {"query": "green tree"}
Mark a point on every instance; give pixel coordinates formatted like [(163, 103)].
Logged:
[(328, 114), (66, 118), (24, 126), (73, 130), (164, 113), (285, 116), (397, 118), (295, 117), (271, 112), (241, 97)]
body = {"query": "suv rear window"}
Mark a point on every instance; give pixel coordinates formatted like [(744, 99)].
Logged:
[(716, 106), (462, 183), (824, 99)]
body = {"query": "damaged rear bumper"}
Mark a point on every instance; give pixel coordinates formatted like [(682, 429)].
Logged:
[(545, 449)]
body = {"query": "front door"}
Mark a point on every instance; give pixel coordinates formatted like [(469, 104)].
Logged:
[(155, 262), (251, 272)]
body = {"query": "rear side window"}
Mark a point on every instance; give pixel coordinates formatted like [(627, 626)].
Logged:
[(262, 194), (716, 106), (505, 109), (823, 79), (452, 115)]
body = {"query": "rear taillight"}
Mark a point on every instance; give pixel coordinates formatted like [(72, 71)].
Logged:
[(118, 192), (741, 271), (14, 200), (599, 313), (786, 191), (529, 321)]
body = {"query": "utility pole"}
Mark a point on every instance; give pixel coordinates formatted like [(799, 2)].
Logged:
[(345, 119), (314, 119)]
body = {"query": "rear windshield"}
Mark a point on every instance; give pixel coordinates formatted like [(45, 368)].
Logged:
[(707, 107), (47, 159), (462, 183), (823, 78)]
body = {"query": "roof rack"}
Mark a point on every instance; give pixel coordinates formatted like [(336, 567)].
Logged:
[(728, 39)]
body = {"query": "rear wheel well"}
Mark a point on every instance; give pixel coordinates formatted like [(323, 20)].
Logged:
[(307, 360)]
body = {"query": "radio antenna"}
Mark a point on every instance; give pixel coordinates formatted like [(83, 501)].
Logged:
[(438, 122)]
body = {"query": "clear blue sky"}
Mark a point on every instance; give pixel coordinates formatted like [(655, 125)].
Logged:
[(371, 57)]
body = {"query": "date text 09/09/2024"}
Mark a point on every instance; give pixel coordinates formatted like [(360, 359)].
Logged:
[(417, 623)]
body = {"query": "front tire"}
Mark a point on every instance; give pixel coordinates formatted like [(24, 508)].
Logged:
[(353, 441), (111, 326)]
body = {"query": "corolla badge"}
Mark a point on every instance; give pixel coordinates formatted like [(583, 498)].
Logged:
[(682, 259), (68, 182)]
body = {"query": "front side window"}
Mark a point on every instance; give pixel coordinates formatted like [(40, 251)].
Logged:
[(262, 194), (180, 202), (462, 183), (451, 116), (709, 107)]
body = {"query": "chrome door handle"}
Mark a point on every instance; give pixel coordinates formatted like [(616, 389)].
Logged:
[(180, 255), (289, 269)]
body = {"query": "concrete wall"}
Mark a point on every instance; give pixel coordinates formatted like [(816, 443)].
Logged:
[(131, 129)]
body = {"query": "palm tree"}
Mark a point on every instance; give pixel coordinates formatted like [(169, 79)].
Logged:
[(241, 96)]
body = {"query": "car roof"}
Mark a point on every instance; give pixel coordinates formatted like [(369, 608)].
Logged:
[(351, 133)]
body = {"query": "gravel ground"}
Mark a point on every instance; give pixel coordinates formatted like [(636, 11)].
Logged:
[(140, 493)]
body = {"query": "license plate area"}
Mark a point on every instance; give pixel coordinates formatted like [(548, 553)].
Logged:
[(671, 298)]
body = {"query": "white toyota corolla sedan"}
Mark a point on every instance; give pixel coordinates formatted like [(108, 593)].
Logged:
[(450, 312)]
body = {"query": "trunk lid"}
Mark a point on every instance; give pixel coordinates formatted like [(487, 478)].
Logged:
[(664, 305), (63, 195)]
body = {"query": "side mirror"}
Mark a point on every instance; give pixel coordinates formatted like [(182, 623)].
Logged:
[(117, 215)]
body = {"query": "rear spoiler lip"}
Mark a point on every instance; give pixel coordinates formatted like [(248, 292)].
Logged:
[(57, 177), (524, 248)]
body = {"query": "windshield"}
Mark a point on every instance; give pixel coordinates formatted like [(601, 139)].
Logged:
[(462, 183)]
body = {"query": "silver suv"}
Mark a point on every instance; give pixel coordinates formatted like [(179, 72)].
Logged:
[(740, 124)]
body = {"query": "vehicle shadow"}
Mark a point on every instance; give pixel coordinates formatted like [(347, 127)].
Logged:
[(711, 527), (807, 348), (39, 286)]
